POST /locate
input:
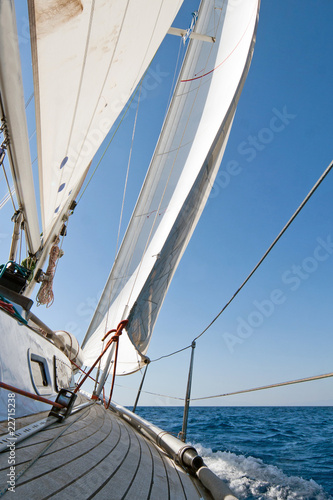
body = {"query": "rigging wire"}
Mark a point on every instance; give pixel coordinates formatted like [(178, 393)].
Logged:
[(7, 197), (112, 137), (11, 191), (128, 167), (21, 238), (306, 199), (280, 384), (29, 100), (146, 392), (171, 354)]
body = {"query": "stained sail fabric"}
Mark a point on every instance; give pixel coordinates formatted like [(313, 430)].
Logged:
[(179, 180), (88, 57)]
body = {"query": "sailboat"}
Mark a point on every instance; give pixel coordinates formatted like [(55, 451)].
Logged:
[(85, 450), (88, 59)]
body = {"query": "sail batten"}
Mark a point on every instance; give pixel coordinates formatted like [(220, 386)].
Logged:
[(181, 174)]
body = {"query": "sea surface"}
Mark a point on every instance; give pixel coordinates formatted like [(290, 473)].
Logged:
[(261, 452)]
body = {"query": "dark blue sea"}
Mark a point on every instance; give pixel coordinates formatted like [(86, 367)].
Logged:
[(261, 452)]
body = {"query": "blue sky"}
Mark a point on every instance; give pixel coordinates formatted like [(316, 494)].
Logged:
[(279, 327)]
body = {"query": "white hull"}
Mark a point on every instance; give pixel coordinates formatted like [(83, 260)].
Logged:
[(20, 348)]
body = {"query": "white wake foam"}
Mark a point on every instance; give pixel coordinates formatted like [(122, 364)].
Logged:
[(250, 477)]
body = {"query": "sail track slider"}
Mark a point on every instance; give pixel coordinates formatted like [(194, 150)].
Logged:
[(196, 36)]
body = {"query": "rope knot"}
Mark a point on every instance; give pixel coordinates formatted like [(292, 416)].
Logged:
[(118, 331)]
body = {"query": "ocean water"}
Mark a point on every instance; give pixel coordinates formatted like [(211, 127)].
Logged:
[(261, 452)]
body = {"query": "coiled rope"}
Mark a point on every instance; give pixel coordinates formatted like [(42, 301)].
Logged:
[(45, 294)]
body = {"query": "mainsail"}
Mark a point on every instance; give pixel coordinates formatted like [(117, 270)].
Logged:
[(88, 57), (179, 179)]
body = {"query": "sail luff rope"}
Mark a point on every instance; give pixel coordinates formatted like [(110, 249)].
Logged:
[(171, 354), (6, 197), (280, 384), (158, 209)]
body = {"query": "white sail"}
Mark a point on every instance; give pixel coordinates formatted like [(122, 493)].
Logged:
[(179, 179), (88, 57), (12, 110)]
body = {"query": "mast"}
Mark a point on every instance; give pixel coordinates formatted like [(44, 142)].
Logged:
[(12, 109)]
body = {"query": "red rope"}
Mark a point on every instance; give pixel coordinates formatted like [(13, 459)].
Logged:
[(225, 59), (120, 327), (85, 373), (116, 339), (29, 395)]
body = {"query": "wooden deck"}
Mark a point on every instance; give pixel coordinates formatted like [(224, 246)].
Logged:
[(94, 454)]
